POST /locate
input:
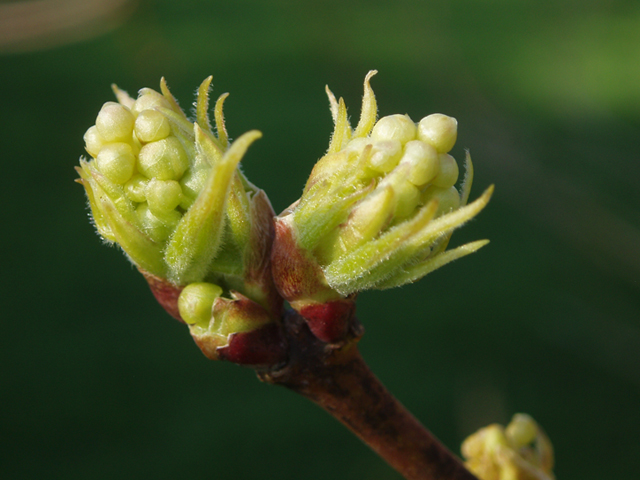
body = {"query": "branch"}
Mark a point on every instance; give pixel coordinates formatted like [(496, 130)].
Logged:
[(335, 377)]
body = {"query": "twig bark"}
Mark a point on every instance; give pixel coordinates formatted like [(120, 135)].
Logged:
[(335, 377)]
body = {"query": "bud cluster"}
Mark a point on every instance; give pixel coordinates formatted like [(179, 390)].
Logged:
[(135, 149), (377, 211), (521, 451), (169, 192)]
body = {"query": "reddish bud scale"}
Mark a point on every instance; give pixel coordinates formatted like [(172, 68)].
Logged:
[(258, 263), (166, 294), (296, 274), (264, 346), (242, 333), (301, 282), (329, 321)]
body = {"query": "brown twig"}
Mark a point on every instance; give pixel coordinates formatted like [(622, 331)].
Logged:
[(335, 377)]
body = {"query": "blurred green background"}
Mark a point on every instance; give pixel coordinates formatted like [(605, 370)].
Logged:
[(97, 382)]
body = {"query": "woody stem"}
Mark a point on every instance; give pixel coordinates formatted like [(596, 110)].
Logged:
[(335, 377)]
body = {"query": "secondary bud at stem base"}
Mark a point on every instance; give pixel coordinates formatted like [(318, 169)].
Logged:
[(240, 331)]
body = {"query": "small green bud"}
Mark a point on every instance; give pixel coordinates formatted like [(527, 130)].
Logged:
[(394, 127), (158, 227), (447, 171), (236, 329), (93, 141), (522, 430), (385, 154), (164, 159), (196, 303), (117, 162), (448, 199), (406, 193), (440, 131), (136, 188), (163, 196), (191, 184), (149, 99), (115, 123), (423, 162), (151, 126)]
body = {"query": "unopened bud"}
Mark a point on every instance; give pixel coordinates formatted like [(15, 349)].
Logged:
[(394, 127), (377, 212), (149, 99), (167, 190), (385, 155), (151, 126), (447, 171), (440, 131), (136, 188), (115, 123), (164, 159), (163, 196), (422, 160), (93, 141), (196, 303), (117, 162)]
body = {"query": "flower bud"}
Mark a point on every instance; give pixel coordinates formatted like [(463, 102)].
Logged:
[(394, 127), (168, 191), (115, 123), (238, 329), (164, 159), (151, 126), (196, 303), (447, 171), (116, 162), (93, 141), (377, 212), (439, 131), (522, 451)]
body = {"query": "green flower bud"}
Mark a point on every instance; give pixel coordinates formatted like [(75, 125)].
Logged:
[(169, 192), (158, 227), (136, 188), (385, 154), (236, 329), (447, 171), (394, 127), (151, 126), (422, 161), (377, 211), (163, 196), (164, 159), (115, 123), (116, 161), (93, 141), (439, 131), (196, 303), (520, 451), (149, 99)]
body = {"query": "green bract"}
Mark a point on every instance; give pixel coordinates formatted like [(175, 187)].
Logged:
[(379, 208)]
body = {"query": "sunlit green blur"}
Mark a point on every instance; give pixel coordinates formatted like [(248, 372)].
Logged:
[(98, 382)]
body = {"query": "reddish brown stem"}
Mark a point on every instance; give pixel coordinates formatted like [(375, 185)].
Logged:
[(335, 377)]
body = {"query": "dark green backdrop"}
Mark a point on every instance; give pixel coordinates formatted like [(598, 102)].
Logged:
[(97, 382)]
